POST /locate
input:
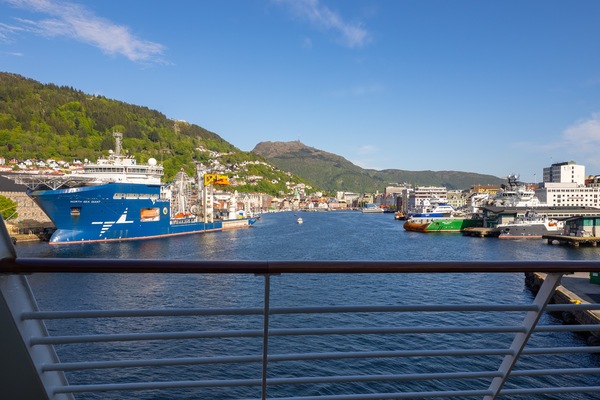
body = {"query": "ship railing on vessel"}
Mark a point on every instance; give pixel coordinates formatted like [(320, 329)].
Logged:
[(31, 368)]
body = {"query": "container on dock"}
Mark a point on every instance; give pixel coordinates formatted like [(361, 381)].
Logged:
[(595, 277)]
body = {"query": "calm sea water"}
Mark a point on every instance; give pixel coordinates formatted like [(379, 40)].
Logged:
[(322, 236)]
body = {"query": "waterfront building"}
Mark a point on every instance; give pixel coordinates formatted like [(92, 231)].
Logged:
[(423, 193), (565, 172), (457, 199), (565, 186)]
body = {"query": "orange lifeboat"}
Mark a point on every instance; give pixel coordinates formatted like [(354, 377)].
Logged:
[(148, 213)]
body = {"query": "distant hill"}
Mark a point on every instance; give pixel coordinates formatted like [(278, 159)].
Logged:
[(334, 172)]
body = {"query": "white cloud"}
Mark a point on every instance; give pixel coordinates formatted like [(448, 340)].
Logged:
[(585, 134), (583, 140), (72, 20), (7, 31), (351, 35), (358, 91), (579, 142), (307, 44), (367, 149)]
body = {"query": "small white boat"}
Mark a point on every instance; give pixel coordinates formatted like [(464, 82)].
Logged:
[(299, 220), (372, 208)]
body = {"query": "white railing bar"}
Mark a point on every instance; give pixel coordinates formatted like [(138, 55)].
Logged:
[(37, 340), (338, 379), (383, 378), (155, 385), (159, 362), (201, 384), (567, 328), (127, 337), (551, 390), (521, 339), (388, 354), (273, 311), (397, 330), (301, 310), (403, 395), (277, 381), (72, 366), (573, 307), (176, 312), (406, 308), (565, 371), (151, 362), (561, 350)]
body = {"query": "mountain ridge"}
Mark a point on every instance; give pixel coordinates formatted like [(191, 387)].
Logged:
[(335, 173)]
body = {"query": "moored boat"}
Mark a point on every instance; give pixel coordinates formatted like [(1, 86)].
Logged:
[(117, 199), (399, 216), (516, 194), (530, 226), (371, 208), (440, 217), (441, 224)]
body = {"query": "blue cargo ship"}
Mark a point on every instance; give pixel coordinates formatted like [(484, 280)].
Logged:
[(117, 199)]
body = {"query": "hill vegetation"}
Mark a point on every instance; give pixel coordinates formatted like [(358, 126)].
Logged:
[(334, 173), (41, 121)]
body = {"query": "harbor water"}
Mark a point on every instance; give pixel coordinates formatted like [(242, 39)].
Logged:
[(278, 236)]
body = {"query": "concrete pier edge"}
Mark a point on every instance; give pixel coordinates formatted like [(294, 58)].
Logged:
[(574, 289)]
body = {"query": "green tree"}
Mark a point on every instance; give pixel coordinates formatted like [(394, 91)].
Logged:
[(8, 208)]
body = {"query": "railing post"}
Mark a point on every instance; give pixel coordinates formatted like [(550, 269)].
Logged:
[(520, 341), (265, 352), (21, 363)]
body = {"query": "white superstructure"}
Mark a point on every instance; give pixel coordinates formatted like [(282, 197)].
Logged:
[(120, 168)]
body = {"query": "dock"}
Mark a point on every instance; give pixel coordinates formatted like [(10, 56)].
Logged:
[(572, 240), (575, 288), (480, 232)]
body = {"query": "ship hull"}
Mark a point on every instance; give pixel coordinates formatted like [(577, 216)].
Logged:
[(527, 231), (441, 224), (117, 212)]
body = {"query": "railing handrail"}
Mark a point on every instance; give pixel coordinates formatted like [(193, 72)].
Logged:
[(95, 265)]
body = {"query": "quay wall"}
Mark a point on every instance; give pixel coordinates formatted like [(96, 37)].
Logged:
[(565, 296)]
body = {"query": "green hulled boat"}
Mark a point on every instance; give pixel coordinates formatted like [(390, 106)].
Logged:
[(441, 224)]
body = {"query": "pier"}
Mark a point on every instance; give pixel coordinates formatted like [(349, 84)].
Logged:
[(573, 240), (575, 288)]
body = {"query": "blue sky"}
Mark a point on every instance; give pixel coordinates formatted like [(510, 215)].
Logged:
[(494, 87)]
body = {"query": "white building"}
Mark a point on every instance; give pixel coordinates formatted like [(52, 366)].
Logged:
[(564, 186), (565, 172), (422, 193)]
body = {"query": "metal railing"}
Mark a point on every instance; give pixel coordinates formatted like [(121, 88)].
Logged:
[(246, 349)]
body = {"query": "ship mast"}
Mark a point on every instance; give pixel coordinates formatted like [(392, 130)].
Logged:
[(118, 140), (206, 198)]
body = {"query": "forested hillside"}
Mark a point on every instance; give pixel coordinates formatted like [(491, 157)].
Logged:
[(41, 121), (44, 120), (333, 172)]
